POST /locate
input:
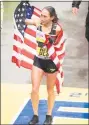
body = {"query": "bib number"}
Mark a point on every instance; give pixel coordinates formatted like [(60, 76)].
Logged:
[(42, 51)]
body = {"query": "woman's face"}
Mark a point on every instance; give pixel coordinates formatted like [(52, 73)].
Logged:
[(45, 17)]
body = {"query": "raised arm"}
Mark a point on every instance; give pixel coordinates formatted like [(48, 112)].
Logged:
[(30, 22), (35, 22), (75, 6)]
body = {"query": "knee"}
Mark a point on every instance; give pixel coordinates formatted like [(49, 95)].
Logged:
[(35, 90), (50, 91)]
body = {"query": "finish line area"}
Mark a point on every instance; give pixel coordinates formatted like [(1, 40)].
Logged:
[(71, 105)]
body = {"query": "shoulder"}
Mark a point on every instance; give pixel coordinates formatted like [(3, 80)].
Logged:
[(58, 29)]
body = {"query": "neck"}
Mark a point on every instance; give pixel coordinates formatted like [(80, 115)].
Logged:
[(48, 24)]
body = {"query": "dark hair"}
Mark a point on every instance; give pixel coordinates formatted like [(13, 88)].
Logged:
[(52, 12)]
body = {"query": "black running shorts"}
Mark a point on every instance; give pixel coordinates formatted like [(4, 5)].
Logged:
[(47, 65)]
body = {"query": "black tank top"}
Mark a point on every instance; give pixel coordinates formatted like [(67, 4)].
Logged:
[(52, 34), (42, 51)]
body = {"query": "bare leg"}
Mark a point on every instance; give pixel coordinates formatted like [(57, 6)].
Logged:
[(51, 78), (36, 77)]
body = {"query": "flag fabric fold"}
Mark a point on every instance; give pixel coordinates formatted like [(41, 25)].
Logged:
[(24, 46)]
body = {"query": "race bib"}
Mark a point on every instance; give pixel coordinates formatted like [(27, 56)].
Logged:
[(42, 51)]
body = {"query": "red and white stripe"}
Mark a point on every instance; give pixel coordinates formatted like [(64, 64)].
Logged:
[(29, 46)]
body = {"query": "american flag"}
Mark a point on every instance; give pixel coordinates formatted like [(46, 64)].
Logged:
[(24, 47), (24, 10)]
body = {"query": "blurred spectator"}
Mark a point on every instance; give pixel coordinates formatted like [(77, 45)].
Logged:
[(75, 7)]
